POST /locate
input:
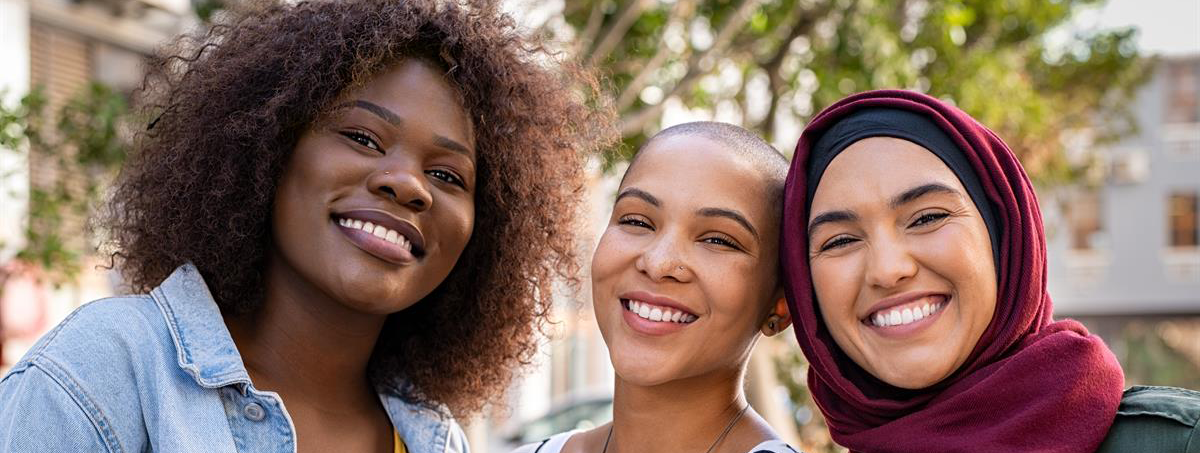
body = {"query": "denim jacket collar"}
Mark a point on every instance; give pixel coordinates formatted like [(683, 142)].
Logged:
[(205, 349), (206, 352)]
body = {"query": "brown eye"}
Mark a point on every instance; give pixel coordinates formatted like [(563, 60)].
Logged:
[(362, 139), (634, 221), (446, 176), (929, 219), (840, 241), (718, 240)]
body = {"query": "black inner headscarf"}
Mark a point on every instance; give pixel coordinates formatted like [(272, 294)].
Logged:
[(905, 125)]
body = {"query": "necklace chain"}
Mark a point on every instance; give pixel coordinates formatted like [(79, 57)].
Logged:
[(728, 427)]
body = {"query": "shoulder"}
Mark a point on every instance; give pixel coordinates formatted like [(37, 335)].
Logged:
[(773, 446), (100, 333), (81, 376), (552, 444), (1165, 419)]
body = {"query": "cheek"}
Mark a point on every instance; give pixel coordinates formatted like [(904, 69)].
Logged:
[(963, 256), (836, 283), (613, 252), (458, 222), (735, 286)]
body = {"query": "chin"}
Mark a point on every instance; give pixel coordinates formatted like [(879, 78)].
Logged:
[(913, 377), (640, 371)]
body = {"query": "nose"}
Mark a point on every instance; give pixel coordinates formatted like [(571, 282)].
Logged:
[(662, 260), (403, 181), (890, 263)]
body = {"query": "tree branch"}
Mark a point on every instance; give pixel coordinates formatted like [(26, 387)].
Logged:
[(613, 35), (803, 25), (634, 122), (629, 95), (595, 19)]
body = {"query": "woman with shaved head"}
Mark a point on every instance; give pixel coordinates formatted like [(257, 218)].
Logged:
[(684, 281)]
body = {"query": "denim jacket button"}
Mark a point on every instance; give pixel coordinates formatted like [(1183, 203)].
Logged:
[(254, 412)]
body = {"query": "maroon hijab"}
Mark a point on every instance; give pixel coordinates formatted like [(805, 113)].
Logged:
[(1030, 384)]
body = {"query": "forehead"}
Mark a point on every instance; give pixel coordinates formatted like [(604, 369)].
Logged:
[(694, 171), (874, 168), (414, 88)]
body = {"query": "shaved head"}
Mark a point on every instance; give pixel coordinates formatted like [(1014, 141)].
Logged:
[(764, 157)]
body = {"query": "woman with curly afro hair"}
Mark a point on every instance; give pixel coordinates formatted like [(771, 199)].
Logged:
[(354, 208)]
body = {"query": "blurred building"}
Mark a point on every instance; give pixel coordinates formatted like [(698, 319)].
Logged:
[(1124, 251), (60, 47)]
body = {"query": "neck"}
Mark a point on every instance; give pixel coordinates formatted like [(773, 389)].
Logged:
[(682, 415), (305, 346)]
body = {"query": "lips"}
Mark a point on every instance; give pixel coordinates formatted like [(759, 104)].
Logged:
[(379, 234), (378, 219), (905, 310), (654, 315)]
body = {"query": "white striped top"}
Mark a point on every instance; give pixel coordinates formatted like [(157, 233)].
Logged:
[(555, 443)]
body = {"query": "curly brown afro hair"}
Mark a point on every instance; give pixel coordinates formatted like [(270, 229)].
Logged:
[(230, 104)]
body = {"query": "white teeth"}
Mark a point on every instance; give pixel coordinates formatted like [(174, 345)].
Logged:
[(378, 231), (659, 314), (644, 311), (904, 316)]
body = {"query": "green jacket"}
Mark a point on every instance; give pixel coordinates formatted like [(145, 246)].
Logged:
[(1155, 420)]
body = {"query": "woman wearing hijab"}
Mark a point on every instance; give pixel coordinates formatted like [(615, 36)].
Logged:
[(915, 269)]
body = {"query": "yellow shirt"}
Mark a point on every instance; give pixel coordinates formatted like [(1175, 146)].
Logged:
[(398, 442)]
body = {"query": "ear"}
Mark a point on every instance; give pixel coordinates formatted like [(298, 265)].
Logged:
[(779, 318)]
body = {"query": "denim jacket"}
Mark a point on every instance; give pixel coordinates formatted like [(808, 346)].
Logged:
[(160, 372)]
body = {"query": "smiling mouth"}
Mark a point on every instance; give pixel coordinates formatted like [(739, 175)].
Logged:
[(383, 233), (905, 314), (657, 313)]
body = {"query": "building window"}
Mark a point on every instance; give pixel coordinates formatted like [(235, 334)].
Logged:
[(1182, 210), (1182, 140), (1084, 219), (1182, 104)]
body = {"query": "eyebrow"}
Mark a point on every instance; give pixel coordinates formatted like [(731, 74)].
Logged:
[(729, 214), (451, 145), (831, 217), (907, 196), (917, 192), (640, 194), (377, 109), (395, 120)]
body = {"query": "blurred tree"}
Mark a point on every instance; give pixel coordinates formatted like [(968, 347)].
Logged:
[(84, 143), (766, 62)]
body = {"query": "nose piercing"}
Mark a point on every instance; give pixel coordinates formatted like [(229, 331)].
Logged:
[(387, 172), (680, 267)]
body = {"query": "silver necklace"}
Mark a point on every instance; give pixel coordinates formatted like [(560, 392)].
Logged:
[(728, 427)]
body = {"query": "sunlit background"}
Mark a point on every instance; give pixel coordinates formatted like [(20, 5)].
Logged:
[(1101, 101)]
